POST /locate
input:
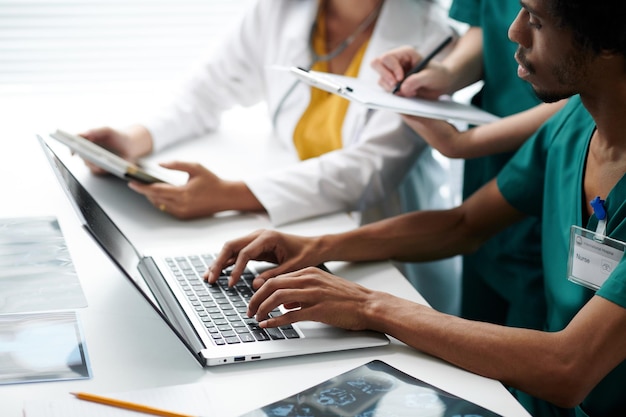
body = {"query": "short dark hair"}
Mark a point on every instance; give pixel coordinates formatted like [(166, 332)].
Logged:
[(596, 24)]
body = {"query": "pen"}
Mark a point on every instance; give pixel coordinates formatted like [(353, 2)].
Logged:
[(127, 405), (422, 64)]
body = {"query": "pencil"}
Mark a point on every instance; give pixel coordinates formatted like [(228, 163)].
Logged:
[(127, 405), (422, 64)]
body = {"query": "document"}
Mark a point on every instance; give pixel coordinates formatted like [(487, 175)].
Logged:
[(372, 389), (191, 399), (36, 269), (374, 97), (41, 347)]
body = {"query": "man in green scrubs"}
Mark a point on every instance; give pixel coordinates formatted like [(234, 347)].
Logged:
[(515, 252), (566, 48), (543, 180), (485, 53)]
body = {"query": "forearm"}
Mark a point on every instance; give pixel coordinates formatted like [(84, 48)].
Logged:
[(504, 135), (141, 140), (561, 367), (465, 61), (517, 357), (507, 134), (413, 237), (237, 196), (425, 235)]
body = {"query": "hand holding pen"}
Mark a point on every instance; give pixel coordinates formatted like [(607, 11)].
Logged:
[(423, 63)]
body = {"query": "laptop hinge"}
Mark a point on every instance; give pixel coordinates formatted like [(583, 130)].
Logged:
[(175, 317)]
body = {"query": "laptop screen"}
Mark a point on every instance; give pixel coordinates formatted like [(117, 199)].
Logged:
[(98, 223)]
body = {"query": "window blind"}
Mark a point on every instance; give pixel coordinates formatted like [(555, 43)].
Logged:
[(48, 45)]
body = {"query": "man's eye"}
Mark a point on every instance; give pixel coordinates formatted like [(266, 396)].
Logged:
[(533, 22)]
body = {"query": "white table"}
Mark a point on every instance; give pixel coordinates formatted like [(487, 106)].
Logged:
[(131, 348)]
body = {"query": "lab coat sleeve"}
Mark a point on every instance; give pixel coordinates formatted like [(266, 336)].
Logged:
[(348, 179), (232, 76), (378, 149)]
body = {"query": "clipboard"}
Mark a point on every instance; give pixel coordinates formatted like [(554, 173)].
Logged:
[(107, 160), (374, 97)]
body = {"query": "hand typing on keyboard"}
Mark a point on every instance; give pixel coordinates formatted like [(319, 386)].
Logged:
[(223, 309)]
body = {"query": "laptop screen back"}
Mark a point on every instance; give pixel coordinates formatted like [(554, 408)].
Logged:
[(98, 223)]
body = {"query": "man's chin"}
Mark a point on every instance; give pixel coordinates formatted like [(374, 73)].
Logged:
[(550, 96)]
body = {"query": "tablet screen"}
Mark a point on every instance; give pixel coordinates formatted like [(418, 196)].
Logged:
[(373, 389)]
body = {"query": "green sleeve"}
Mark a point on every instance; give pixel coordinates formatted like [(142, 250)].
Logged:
[(521, 181), (614, 289), (466, 11)]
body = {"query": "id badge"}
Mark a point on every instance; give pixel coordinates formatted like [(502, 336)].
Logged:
[(592, 257)]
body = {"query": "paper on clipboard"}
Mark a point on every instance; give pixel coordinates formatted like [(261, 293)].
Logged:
[(375, 97)]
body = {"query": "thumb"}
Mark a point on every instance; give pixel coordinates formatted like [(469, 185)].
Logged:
[(191, 168)]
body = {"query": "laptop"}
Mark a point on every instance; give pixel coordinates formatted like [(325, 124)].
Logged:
[(209, 319)]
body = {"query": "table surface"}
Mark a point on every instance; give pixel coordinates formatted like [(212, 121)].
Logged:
[(131, 348)]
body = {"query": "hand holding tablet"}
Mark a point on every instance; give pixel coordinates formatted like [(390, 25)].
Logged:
[(107, 160)]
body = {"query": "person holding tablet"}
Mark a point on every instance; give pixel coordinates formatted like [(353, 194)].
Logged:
[(352, 159)]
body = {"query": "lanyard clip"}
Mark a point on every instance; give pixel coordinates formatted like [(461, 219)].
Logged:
[(598, 209)]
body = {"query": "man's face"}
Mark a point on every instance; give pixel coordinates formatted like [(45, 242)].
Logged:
[(547, 55)]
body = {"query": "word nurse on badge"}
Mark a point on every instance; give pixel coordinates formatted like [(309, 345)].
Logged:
[(592, 257)]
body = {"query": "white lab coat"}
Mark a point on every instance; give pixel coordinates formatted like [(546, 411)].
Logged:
[(378, 149)]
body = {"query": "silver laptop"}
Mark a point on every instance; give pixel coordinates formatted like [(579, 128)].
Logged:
[(209, 319)]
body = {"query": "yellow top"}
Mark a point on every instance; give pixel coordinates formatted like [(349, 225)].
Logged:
[(319, 129)]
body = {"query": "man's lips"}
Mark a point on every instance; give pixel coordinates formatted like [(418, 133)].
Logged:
[(522, 71)]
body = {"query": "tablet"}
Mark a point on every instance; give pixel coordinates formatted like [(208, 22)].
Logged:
[(107, 160), (373, 389)]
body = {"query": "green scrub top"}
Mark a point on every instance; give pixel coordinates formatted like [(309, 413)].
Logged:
[(545, 180), (515, 253)]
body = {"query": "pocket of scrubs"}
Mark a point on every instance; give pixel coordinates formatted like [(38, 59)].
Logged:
[(592, 257)]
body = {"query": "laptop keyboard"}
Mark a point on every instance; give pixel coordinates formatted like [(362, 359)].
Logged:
[(222, 309)]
